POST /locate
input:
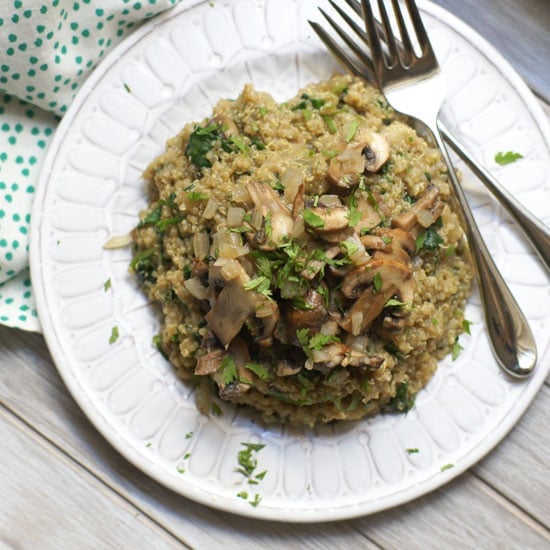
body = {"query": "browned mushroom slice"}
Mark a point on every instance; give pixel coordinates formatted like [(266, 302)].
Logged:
[(395, 243), (327, 220), (373, 285), (278, 222), (263, 325), (210, 362), (368, 151), (428, 203), (375, 149), (233, 306), (345, 169), (312, 315), (370, 217), (238, 351)]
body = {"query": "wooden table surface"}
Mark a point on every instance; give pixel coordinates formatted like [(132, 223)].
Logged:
[(63, 486)]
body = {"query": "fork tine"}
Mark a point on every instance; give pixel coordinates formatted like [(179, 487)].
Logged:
[(406, 44), (419, 28), (390, 38), (355, 5), (353, 45), (337, 51), (374, 41)]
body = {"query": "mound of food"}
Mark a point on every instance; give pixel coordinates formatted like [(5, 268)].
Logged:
[(306, 255)]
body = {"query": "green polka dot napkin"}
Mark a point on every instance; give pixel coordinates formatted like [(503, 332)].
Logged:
[(47, 49)]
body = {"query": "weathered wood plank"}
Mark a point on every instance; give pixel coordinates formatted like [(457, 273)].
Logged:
[(505, 467), (28, 378), (518, 30), (48, 503), (464, 514)]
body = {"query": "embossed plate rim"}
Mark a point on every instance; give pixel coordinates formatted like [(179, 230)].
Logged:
[(145, 462)]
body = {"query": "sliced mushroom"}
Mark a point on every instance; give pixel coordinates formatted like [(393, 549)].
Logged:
[(376, 151), (238, 350), (367, 151), (395, 243), (429, 202), (210, 362), (233, 306), (229, 128), (313, 315), (274, 213), (334, 219), (395, 279), (370, 217)]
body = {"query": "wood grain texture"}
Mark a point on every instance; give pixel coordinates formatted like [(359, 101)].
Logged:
[(48, 502), (28, 377), (519, 30)]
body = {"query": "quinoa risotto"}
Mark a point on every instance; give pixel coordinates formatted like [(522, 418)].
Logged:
[(305, 255)]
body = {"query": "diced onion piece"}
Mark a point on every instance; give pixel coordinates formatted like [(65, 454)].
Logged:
[(330, 328), (231, 269), (201, 245), (291, 180), (119, 241), (232, 252), (298, 232), (235, 238), (360, 255), (210, 209), (235, 216), (195, 287), (425, 218), (240, 195), (358, 343), (356, 322)]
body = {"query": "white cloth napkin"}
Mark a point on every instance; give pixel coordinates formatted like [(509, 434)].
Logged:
[(48, 49)]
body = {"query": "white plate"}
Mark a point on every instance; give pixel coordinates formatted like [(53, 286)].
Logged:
[(171, 71)]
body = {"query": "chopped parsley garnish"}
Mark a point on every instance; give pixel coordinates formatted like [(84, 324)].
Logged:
[(200, 143), (260, 145), (247, 459), (319, 341), (457, 348), (260, 284), (258, 369), (352, 130), (107, 285), (236, 140), (466, 326), (330, 124), (429, 239), (354, 215), (243, 495), (412, 450), (312, 219), (446, 467), (507, 158), (428, 176), (402, 402), (215, 409), (228, 369), (127, 88), (350, 247), (377, 281), (188, 435), (257, 499), (196, 196), (114, 335), (393, 302)]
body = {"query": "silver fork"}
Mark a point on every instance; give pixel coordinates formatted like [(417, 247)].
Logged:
[(534, 230), (414, 86)]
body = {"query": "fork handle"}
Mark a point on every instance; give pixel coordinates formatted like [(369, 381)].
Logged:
[(536, 232), (509, 333)]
